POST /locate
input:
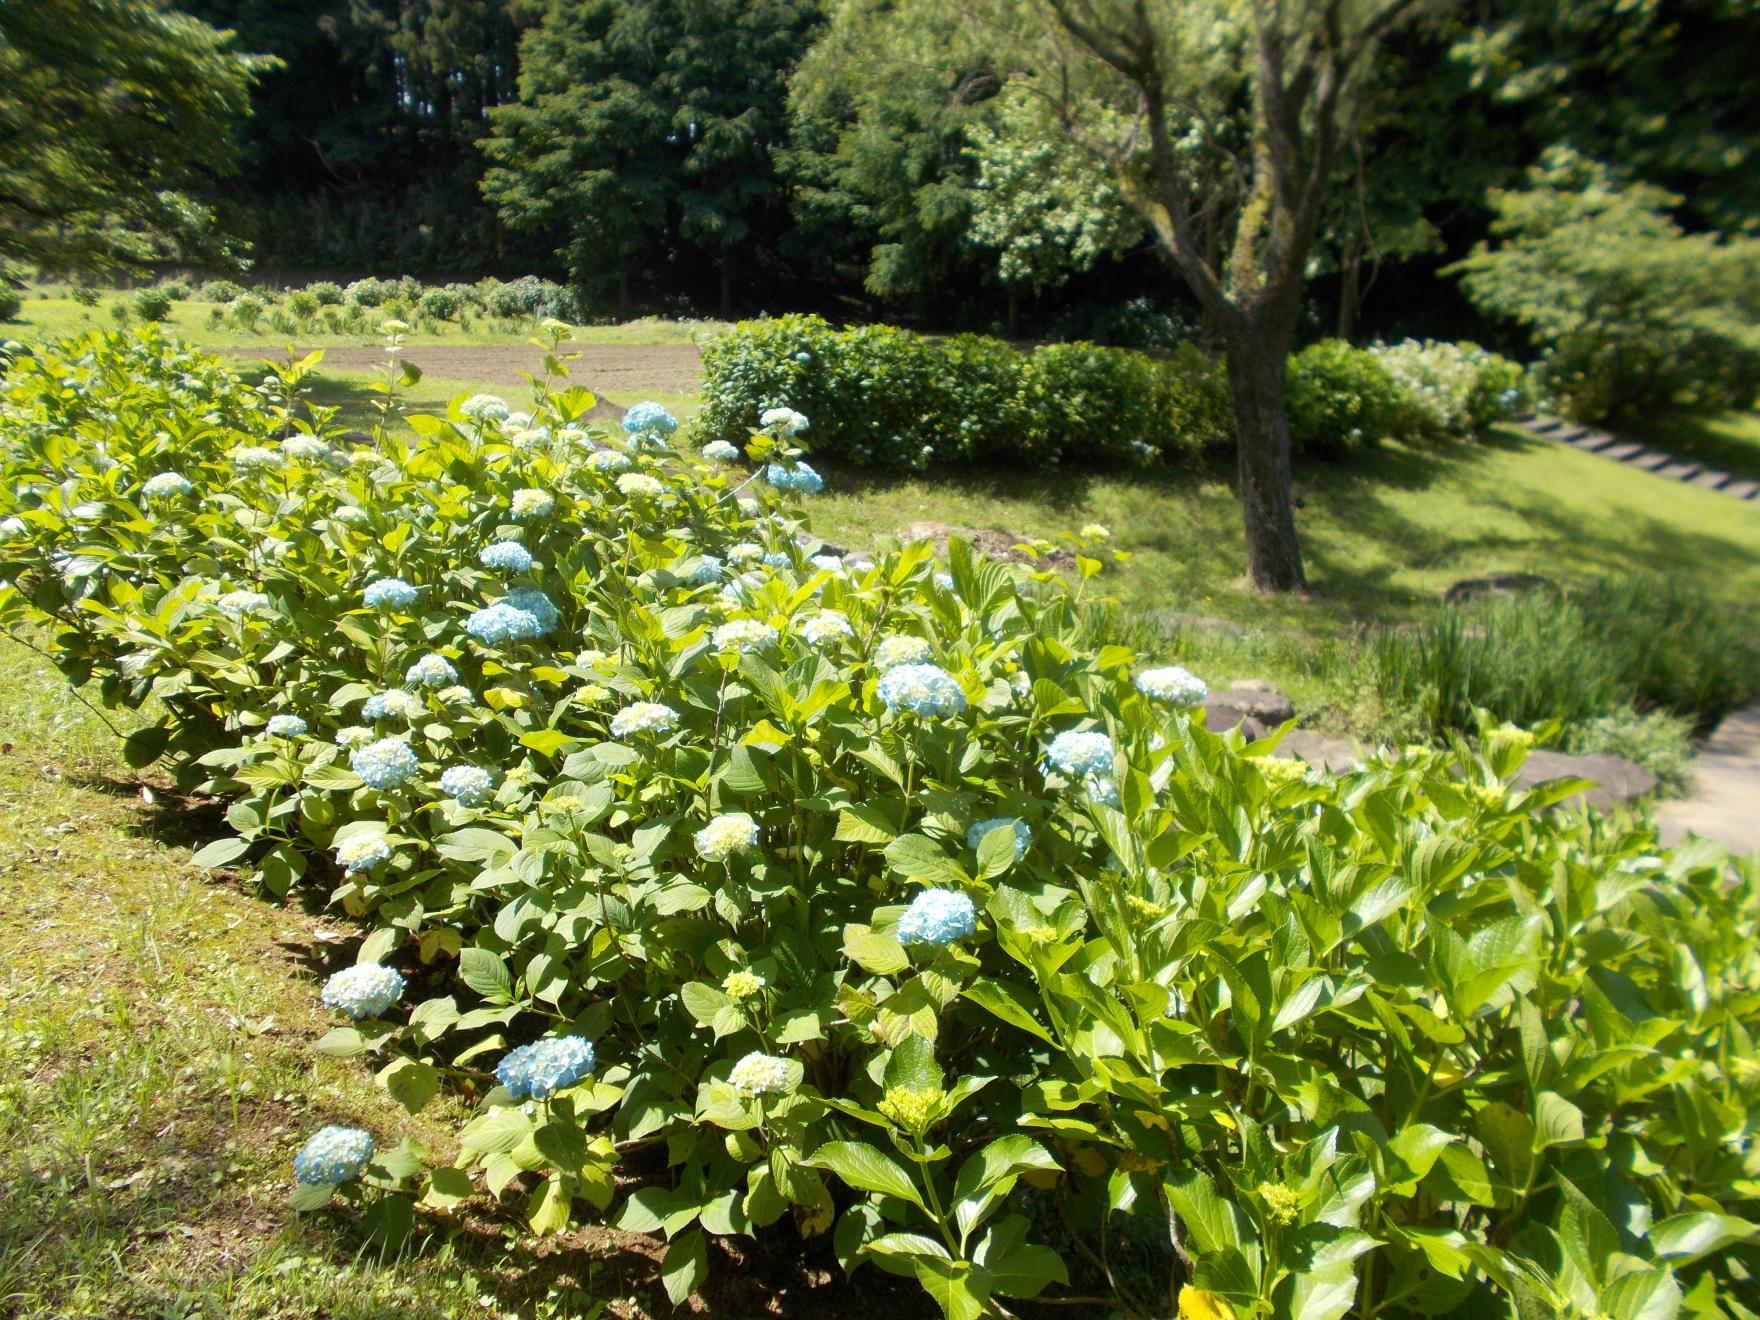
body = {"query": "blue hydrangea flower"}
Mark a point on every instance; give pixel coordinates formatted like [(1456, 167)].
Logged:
[(706, 571), (506, 557), (393, 703), (334, 1155), (388, 593), (719, 451), (1102, 788), (937, 916), (1079, 755), (648, 417), (1176, 686), (166, 486), (501, 623), (546, 1066), (431, 671), (802, 479), (1023, 837), (926, 690), (385, 764), (285, 726), (363, 991), (609, 460), (468, 785), (531, 601)]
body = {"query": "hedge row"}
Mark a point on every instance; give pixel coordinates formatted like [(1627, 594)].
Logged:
[(887, 398)]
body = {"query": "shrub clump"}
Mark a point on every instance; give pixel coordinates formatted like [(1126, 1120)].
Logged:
[(151, 304), (327, 292), (440, 304), (221, 292), (1341, 400), (1454, 389), (974, 959), (176, 290)]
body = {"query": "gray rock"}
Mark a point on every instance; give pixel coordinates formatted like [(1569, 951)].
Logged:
[(1497, 586), (1617, 780), (1334, 755), (1220, 719), (1267, 705)]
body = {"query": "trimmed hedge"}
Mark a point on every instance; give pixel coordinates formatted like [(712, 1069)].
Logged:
[(882, 397)]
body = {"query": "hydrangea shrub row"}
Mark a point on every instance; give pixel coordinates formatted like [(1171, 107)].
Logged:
[(886, 398), (981, 957)]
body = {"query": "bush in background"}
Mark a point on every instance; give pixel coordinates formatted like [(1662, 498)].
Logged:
[(369, 292), (1341, 400), (1634, 315), (221, 291), (303, 303), (151, 304), (440, 304), (84, 296), (176, 290), (11, 303), (1453, 389), (327, 292)]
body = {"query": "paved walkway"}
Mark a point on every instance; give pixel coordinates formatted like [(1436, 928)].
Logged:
[(1633, 454), (1725, 804)]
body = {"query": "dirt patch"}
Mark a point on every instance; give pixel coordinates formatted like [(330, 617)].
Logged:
[(988, 542), (618, 371)]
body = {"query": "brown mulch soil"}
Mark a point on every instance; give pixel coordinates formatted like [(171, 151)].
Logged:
[(617, 371)]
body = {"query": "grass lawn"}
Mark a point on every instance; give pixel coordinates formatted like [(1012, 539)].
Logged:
[(48, 317), (1729, 441), (156, 1073)]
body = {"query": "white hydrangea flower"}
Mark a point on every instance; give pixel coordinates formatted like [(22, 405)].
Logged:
[(643, 717), (825, 627), (901, 649), (640, 484), (530, 503), (762, 1074), (727, 836), (748, 636)]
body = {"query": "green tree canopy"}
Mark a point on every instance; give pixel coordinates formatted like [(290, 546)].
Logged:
[(115, 117), (645, 132)]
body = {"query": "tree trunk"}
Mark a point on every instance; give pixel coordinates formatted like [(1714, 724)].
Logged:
[(1350, 287), (1014, 310), (1257, 361)]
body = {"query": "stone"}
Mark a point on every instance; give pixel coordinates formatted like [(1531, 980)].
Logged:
[(355, 438), (1231, 706), (1220, 719), (990, 543), (1336, 756), (1617, 780), (1497, 586)]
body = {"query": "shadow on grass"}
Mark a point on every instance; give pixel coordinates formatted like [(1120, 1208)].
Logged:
[(1729, 442)]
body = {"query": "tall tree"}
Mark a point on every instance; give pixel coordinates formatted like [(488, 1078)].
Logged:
[(115, 117), (1132, 81), (645, 130)]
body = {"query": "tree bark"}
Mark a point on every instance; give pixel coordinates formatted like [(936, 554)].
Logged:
[(1257, 361), (1350, 287)]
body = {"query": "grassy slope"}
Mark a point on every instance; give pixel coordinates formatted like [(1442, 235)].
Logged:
[(156, 1074), (49, 317), (1729, 442)]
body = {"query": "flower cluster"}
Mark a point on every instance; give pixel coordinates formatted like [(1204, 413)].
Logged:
[(825, 627), (431, 671), (285, 726), (742, 985), (801, 478), (385, 764), (727, 836), (747, 636), (719, 451), (640, 484), (1080, 755), (389, 594), (243, 604), (705, 571), (393, 703), (546, 1066), (782, 421), (609, 460), (1176, 686), (485, 408), (363, 991), (926, 690), (334, 1155), (166, 486), (937, 917), (762, 1074), (500, 623), (650, 419), (530, 600), (255, 458), (506, 557), (468, 785), (530, 503), (354, 735), (901, 649), (1023, 837), (363, 852), (914, 1111), (643, 717)]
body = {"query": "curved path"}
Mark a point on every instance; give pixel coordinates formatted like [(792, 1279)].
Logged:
[(1725, 804)]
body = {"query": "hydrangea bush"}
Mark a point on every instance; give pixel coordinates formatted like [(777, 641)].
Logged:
[(981, 964)]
